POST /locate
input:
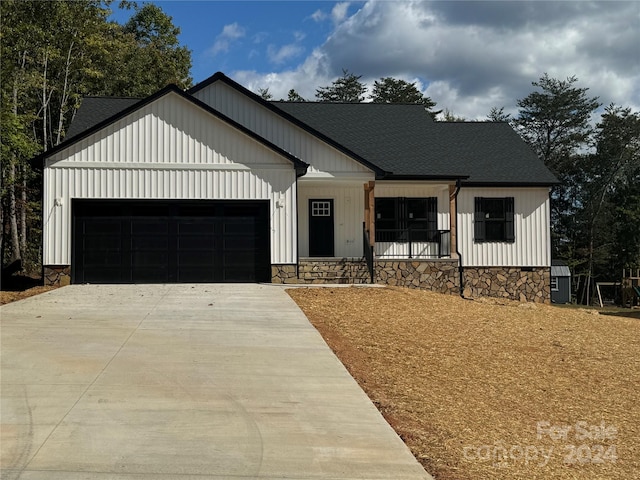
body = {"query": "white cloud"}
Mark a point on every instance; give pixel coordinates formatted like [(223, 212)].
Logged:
[(304, 79), (233, 31), (259, 37), (318, 16), (470, 56), (339, 12), (223, 41), (283, 54)]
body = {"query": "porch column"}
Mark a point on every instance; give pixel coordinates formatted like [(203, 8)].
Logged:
[(453, 218), (370, 210)]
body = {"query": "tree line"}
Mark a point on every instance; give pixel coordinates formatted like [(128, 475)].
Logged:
[(54, 53)]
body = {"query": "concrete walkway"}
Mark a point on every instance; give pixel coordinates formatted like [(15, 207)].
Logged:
[(182, 382)]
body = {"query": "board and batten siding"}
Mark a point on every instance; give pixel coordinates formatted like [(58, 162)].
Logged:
[(322, 158), (532, 246), (168, 149), (348, 216)]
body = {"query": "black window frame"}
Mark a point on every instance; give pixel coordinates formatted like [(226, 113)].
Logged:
[(399, 214), (494, 225)]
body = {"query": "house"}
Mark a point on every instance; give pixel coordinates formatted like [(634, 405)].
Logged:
[(560, 282), (216, 184)]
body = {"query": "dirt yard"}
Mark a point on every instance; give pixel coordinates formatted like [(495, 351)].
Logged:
[(492, 389)]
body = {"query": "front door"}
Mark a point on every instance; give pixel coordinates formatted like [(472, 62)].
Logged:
[(321, 228)]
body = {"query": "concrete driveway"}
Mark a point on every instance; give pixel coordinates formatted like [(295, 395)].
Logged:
[(182, 381)]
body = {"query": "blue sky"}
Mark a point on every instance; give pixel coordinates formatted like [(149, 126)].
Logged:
[(248, 35), (467, 56)]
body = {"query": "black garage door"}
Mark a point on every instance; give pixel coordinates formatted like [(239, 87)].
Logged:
[(168, 242)]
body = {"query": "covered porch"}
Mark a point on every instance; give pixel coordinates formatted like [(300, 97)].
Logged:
[(396, 220), (355, 231)]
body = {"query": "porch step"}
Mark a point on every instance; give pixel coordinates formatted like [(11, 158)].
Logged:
[(333, 271)]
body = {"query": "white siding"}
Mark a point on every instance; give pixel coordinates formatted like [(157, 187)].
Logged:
[(532, 246), (418, 250), (348, 205), (170, 149), (324, 160)]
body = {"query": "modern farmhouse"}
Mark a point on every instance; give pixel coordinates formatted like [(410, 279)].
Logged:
[(216, 184)]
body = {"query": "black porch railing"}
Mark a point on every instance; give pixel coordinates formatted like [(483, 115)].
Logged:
[(412, 243), (368, 251)]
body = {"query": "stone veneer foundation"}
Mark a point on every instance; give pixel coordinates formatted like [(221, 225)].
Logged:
[(58, 275), (514, 283), (531, 284), (284, 273), (436, 275), (317, 271)]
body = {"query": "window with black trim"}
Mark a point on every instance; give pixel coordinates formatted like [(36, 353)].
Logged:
[(494, 219), (554, 284), (401, 219)]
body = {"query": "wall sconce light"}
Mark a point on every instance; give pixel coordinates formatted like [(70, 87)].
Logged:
[(57, 202)]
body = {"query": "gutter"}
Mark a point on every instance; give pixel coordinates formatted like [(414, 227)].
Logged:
[(460, 267)]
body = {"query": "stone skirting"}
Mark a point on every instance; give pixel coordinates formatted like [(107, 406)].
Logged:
[(436, 275), (284, 273), (515, 283), (531, 284), (58, 275), (317, 271)]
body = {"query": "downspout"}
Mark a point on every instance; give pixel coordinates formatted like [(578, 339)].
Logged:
[(460, 267), (300, 171), (297, 230)]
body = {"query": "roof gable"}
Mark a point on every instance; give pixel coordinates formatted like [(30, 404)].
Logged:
[(171, 89), (199, 91)]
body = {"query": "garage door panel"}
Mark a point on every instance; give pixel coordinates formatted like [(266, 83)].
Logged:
[(150, 258), (196, 257), (240, 273), (96, 243), (171, 241), (240, 243), (103, 258), (201, 242), (204, 226), (105, 274), (152, 226), (195, 275), (149, 243), (103, 227), (149, 275), (240, 226)]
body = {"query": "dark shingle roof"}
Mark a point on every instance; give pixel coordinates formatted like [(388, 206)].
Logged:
[(94, 110), (404, 140)]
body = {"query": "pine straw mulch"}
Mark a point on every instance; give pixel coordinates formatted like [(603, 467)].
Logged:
[(8, 296), (466, 384), (18, 287)]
